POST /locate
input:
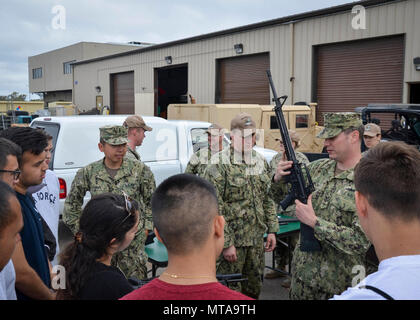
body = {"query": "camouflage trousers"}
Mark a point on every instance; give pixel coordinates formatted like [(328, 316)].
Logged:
[(132, 261), (282, 254), (300, 291), (250, 263)]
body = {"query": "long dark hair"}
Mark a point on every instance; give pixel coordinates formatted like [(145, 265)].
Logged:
[(104, 217)]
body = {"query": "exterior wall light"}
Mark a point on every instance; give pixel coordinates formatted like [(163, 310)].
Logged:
[(168, 59), (239, 48)]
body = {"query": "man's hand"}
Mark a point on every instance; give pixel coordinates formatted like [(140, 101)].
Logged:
[(230, 254), (270, 243), (282, 170), (305, 212)]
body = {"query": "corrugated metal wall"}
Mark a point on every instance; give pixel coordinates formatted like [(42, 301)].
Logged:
[(201, 56)]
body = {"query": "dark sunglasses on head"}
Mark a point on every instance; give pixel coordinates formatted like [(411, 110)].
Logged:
[(15, 173), (128, 206)]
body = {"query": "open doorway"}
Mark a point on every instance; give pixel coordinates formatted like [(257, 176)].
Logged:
[(415, 93), (171, 86)]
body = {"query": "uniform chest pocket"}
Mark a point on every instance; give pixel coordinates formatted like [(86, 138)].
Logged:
[(236, 189), (342, 207)]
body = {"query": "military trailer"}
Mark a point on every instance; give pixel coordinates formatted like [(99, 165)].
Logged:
[(300, 118)]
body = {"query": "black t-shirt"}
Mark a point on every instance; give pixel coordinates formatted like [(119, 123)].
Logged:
[(105, 283)]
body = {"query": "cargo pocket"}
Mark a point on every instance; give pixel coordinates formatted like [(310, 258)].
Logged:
[(236, 190)]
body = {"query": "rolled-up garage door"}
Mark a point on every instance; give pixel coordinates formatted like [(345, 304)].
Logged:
[(357, 73), (244, 79)]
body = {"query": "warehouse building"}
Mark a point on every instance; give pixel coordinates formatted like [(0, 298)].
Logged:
[(340, 57), (50, 73)]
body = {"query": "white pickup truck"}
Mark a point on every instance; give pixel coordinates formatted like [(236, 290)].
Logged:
[(166, 150)]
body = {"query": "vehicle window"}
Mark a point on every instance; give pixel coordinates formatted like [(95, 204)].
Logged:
[(199, 138), (301, 121), (273, 123), (52, 129), (160, 144)]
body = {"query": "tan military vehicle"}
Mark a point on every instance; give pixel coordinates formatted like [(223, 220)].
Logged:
[(300, 118)]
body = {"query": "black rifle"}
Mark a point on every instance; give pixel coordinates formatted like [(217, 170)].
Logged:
[(300, 190)]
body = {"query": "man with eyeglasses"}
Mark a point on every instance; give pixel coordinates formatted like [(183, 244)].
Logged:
[(116, 174), (33, 279), (242, 180), (10, 154), (9, 174)]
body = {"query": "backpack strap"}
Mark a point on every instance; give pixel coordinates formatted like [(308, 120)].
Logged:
[(378, 291)]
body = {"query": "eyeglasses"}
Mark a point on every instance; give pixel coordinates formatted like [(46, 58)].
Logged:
[(15, 173), (128, 206)]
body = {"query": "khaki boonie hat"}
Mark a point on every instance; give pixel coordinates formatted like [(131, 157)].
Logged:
[(243, 123), (136, 121), (114, 135), (215, 130), (335, 123), (371, 130)]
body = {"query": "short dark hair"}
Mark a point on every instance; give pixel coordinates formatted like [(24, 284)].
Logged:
[(8, 148), (29, 139), (389, 177), (6, 192), (183, 207), (360, 129)]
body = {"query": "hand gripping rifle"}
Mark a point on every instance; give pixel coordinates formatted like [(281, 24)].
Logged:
[(300, 189)]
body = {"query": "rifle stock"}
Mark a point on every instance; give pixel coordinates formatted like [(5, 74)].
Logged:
[(300, 189)]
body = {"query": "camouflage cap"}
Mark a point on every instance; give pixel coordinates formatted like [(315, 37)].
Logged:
[(335, 123), (243, 123), (114, 135), (372, 129)]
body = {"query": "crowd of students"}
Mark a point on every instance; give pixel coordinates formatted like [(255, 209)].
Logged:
[(187, 220)]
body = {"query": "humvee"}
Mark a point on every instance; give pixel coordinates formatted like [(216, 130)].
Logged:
[(300, 118), (397, 121)]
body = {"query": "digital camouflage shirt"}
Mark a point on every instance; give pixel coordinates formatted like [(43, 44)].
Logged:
[(280, 190), (199, 161), (244, 199), (344, 245), (132, 154), (137, 181)]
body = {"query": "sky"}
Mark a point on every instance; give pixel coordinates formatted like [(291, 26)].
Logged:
[(32, 27)]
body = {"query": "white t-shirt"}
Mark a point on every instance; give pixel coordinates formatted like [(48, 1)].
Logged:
[(399, 277), (47, 202), (7, 282)]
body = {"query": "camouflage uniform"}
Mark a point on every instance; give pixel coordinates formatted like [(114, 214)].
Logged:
[(279, 191), (249, 211), (321, 274), (134, 121), (137, 181), (201, 159), (198, 162), (132, 154)]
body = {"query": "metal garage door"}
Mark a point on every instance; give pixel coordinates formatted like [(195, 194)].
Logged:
[(243, 79), (356, 73), (122, 93)]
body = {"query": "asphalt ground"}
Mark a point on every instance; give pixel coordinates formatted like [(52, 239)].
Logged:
[(271, 290)]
